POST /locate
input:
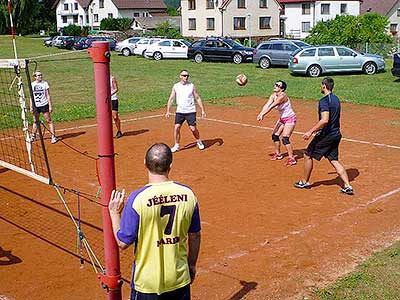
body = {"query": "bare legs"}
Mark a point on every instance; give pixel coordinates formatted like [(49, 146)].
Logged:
[(116, 119), (286, 131), (177, 133)]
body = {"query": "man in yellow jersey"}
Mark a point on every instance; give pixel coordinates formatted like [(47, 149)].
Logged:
[(162, 219)]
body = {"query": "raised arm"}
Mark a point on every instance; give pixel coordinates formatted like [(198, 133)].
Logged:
[(115, 207), (271, 103)]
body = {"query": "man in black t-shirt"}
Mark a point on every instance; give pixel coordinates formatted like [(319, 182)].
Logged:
[(326, 141)]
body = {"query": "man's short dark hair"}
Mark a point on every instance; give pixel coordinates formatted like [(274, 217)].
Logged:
[(158, 158), (328, 82), (184, 70), (283, 85)]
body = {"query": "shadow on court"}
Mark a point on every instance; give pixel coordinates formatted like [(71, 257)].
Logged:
[(3, 170), (207, 143), (70, 135), (352, 173), (6, 258), (134, 132), (246, 288)]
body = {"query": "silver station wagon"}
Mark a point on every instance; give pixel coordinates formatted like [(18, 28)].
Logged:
[(315, 61)]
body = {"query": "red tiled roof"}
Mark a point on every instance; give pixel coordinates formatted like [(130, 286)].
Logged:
[(377, 6), (82, 3), (148, 4)]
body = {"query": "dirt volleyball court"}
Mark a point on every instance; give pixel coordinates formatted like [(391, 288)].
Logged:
[(261, 237)]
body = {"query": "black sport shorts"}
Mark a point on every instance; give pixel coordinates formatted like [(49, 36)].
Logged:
[(114, 105), (327, 146), (42, 109), (179, 294), (190, 118)]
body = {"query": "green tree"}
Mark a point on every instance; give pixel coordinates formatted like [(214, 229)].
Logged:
[(119, 24), (351, 30), (171, 11), (72, 30), (165, 29)]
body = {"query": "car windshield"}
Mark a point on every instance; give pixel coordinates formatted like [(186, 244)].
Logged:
[(301, 44), (233, 43), (185, 42), (295, 52)]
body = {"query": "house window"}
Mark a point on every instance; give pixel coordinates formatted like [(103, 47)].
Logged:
[(65, 6), (263, 3), (192, 24), (209, 4), (325, 9), (81, 20), (76, 6), (265, 22), (64, 19), (343, 9), (145, 14), (305, 8), (398, 12), (283, 9), (210, 23), (393, 27), (75, 21), (239, 23), (192, 5), (110, 15), (87, 19), (95, 18), (241, 3), (135, 15), (101, 3), (305, 26)]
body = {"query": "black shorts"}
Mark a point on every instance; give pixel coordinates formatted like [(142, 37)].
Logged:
[(42, 109), (190, 118), (179, 294), (114, 105), (327, 146)]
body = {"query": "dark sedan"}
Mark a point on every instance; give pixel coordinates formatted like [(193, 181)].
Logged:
[(221, 50), (396, 65)]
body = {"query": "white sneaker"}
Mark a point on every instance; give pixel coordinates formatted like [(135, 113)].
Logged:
[(54, 140), (32, 138), (200, 145), (175, 148)]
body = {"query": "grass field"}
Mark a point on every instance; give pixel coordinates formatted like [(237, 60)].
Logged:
[(145, 85)]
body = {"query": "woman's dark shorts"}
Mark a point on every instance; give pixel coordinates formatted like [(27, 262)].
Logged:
[(179, 294), (190, 118), (114, 105), (327, 146), (42, 109)]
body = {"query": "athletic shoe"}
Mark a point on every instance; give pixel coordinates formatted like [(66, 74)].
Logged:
[(302, 185), (348, 190), (118, 135), (54, 139), (276, 156), (175, 148), (200, 145), (291, 161), (32, 138)]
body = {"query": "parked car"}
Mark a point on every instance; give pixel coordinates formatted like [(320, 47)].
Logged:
[(92, 39), (66, 42), (80, 44), (315, 61), (127, 46), (141, 46), (57, 40), (49, 42), (396, 65), (276, 52), (169, 48), (219, 49)]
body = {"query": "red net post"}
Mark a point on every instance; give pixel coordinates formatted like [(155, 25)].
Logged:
[(100, 54)]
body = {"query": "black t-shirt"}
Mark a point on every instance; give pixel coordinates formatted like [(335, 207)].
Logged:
[(330, 103)]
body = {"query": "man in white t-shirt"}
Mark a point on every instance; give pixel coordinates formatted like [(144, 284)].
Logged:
[(42, 104), (184, 92)]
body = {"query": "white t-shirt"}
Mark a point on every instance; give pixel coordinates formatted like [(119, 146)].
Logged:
[(39, 93), (184, 98), (113, 97)]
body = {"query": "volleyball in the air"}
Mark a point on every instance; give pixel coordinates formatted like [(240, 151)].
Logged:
[(241, 79)]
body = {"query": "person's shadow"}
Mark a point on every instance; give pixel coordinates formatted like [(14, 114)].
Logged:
[(134, 132), (70, 135), (6, 258), (352, 173), (207, 143)]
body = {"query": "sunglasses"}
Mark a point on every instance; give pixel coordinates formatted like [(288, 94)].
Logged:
[(277, 85), (185, 75), (38, 75)]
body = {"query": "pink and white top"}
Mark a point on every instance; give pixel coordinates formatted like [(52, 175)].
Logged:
[(285, 109)]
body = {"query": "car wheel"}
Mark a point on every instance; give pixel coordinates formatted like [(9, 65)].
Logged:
[(198, 58), (157, 55), (369, 68), (314, 71), (264, 63), (126, 52), (237, 58)]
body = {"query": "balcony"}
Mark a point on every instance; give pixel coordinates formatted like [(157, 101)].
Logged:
[(68, 13)]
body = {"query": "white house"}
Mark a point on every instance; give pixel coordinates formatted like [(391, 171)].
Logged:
[(299, 16), (233, 18), (388, 8), (91, 12)]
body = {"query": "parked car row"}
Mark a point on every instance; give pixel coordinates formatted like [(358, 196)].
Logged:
[(77, 43)]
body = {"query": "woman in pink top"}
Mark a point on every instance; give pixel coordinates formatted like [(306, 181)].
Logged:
[(286, 123)]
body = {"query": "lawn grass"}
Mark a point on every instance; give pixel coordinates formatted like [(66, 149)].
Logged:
[(145, 84), (376, 279)]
